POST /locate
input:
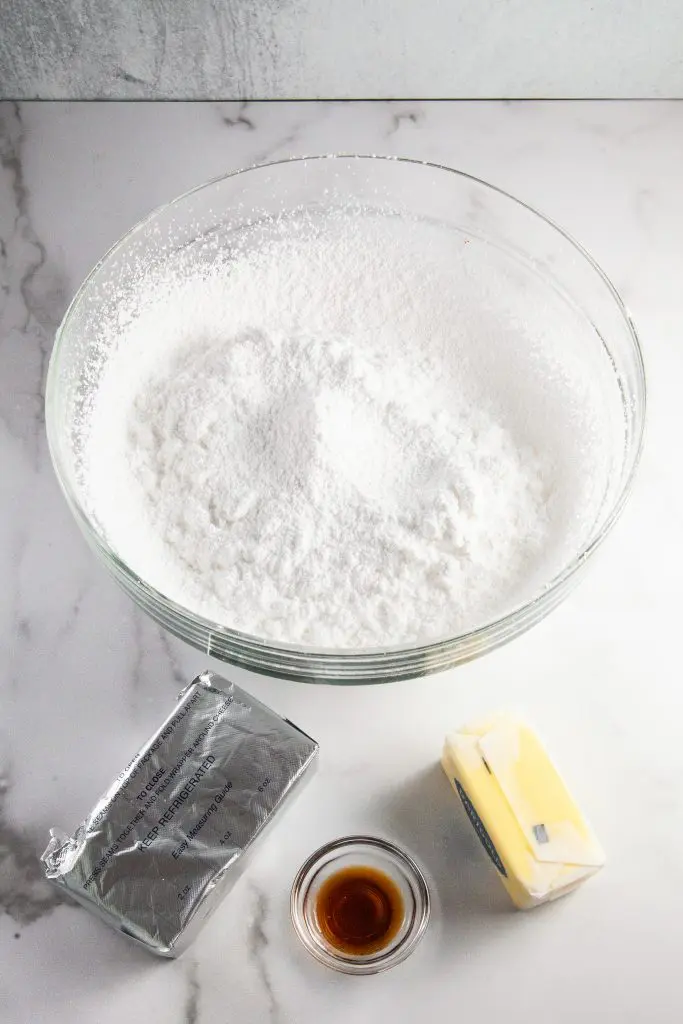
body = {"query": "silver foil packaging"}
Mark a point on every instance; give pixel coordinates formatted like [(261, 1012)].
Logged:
[(163, 845)]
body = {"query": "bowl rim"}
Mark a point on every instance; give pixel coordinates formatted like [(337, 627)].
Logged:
[(265, 653)]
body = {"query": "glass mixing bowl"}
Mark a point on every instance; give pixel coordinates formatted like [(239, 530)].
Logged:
[(542, 259)]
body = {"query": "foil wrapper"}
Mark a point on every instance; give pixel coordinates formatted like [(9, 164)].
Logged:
[(166, 842)]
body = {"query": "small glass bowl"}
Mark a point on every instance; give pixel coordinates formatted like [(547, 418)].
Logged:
[(360, 851)]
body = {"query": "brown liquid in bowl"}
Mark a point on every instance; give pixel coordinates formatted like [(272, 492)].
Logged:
[(359, 910)]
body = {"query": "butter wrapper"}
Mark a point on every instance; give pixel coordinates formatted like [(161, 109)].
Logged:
[(165, 843), (521, 810)]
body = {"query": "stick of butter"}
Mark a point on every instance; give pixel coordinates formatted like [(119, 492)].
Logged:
[(521, 809)]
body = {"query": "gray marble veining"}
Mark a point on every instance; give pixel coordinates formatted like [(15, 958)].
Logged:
[(25, 896), (258, 945), (34, 292), (192, 998)]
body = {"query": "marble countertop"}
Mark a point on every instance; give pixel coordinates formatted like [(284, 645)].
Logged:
[(85, 676)]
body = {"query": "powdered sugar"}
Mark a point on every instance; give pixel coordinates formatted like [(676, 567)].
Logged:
[(342, 437)]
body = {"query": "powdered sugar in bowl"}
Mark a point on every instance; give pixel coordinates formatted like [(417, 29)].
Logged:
[(346, 419)]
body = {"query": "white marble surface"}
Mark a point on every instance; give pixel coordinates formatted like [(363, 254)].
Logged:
[(277, 49), (84, 676)]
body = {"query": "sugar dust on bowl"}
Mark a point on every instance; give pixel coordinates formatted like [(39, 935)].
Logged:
[(346, 419)]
